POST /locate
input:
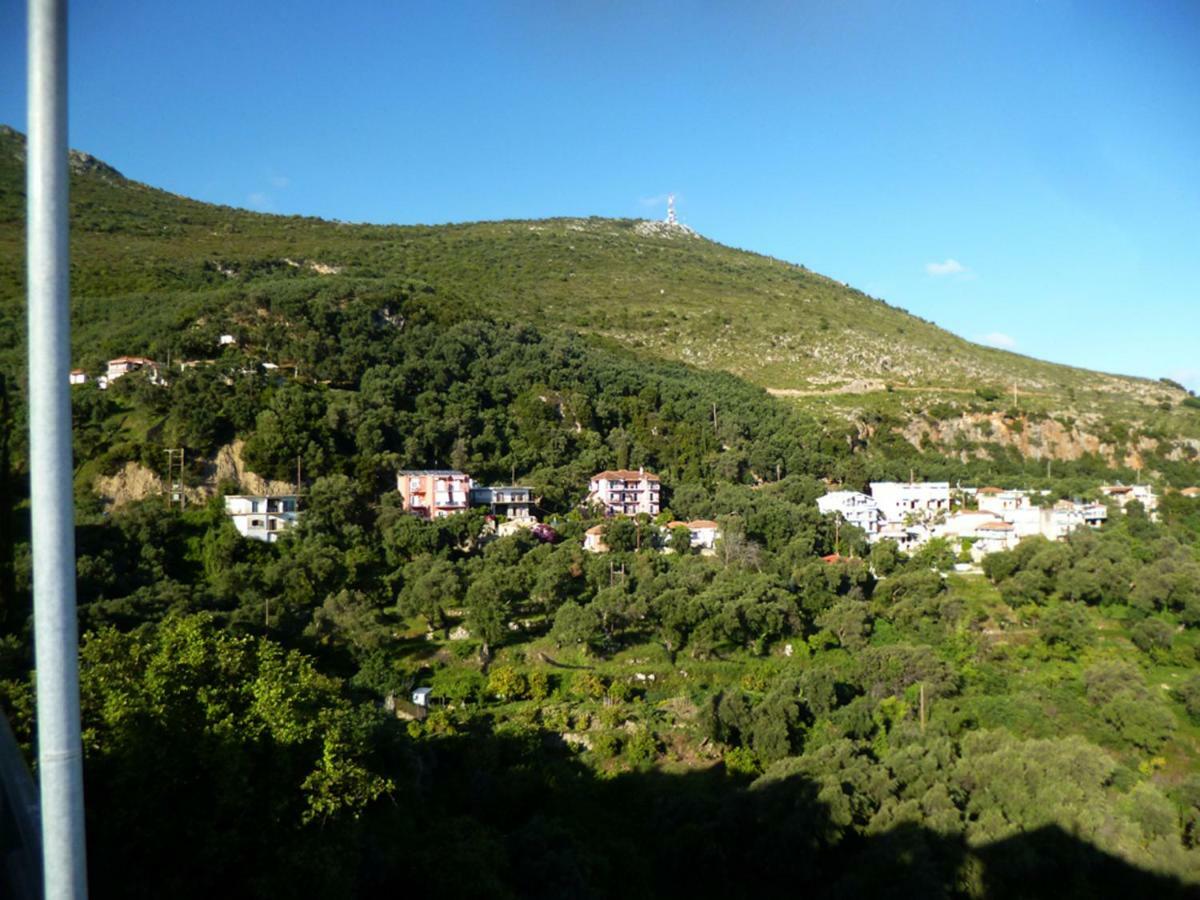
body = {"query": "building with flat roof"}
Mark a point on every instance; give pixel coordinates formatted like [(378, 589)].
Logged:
[(263, 517)]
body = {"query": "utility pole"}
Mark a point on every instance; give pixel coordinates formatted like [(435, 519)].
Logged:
[(51, 492), (175, 487), (714, 417)]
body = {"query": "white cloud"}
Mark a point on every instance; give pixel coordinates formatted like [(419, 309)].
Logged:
[(260, 201), (949, 267), (280, 181), (999, 339)]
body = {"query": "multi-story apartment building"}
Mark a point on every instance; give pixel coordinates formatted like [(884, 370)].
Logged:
[(856, 508), (913, 500), (510, 501), (434, 493), (261, 517), (623, 492)]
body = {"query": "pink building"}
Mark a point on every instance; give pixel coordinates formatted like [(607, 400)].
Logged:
[(434, 493), (623, 492)]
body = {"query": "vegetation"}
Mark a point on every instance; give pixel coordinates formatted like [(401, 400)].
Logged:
[(639, 723)]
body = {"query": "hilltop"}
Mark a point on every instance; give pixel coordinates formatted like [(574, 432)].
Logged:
[(693, 712), (661, 292)]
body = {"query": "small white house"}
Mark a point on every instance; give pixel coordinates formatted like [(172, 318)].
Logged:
[(1124, 494), (993, 537), (123, 365), (593, 540), (227, 340), (860, 510), (422, 696), (703, 533), (77, 376), (262, 518)]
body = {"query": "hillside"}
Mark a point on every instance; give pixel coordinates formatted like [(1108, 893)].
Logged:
[(662, 717), (147, 265)]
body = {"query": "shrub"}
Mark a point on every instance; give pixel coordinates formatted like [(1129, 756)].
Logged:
[(507, 683), (606, 744), (1067, 628), (1189, 695), (1145, 725), (1150, 635), (642, 748)]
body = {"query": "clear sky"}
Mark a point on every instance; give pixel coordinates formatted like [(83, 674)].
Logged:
[(1024, 174)]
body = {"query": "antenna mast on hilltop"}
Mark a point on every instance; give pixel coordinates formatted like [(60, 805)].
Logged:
[(671, 210)]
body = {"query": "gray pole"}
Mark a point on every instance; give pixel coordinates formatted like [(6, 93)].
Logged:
[(60, 754)]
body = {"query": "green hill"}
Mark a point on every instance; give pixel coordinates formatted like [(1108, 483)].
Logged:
[(147, 265)]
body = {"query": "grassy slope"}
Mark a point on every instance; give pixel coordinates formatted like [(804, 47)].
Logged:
[(143, 260)]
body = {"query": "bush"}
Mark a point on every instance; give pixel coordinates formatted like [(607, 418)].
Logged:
[(1067, 628), (1145, 725), (1109, 678), (507, 683), (642, 748), (1189, 695), (588, 685), (606, 744), (1150, 635), (539, 685)]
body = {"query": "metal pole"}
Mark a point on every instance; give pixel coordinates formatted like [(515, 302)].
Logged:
[(60, 754)]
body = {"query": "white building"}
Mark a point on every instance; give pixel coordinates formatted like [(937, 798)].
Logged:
[(964, 525), (123, 365), (915, 501), (262, 518), (510, 501), (860, 510), (623, 492), (907, 537), (593, 540), (992, 538), (1122, 495), (703, 532), (77, 376), (998, 502)]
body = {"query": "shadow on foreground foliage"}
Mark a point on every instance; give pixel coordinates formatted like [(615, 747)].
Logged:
[(498, 815)]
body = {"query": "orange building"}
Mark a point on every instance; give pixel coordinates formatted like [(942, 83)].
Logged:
[(434, 493)]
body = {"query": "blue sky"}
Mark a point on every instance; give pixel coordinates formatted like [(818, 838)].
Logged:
[(1024, 174)]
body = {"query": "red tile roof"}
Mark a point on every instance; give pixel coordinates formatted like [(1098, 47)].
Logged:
[(625, 475)]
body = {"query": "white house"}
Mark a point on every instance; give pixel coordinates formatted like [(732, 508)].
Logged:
[(510, 501), (226, 340), (907, 537), (998, 502), (703, 532), (77, 376), (123, 365), (593, 540), (919, 501), (963, 524), (860, 510), (993, 537), (623, 492), (1122, 495), (262, 518)]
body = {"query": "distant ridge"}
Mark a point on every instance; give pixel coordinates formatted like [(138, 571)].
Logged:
[(656, 288)]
